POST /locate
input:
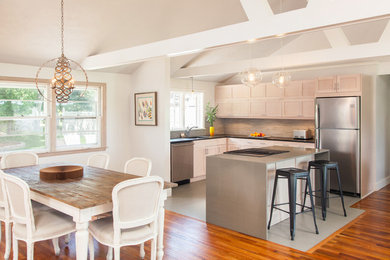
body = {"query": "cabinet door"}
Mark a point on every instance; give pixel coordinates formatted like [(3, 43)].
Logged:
[(199, 161), (223, 92), (309, 88), (308, 109), (292, 108), (273, 108), (258, 91), (273, 91), (349, 83), (326, 85), (241, 108), (241, 91), (257, 108), (294, 89), (224, 109)]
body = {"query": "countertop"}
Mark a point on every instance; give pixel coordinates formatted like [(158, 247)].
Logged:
[(271, 138), (293, 152)]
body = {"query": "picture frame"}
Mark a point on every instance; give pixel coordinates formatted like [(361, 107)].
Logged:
[(145, 108)]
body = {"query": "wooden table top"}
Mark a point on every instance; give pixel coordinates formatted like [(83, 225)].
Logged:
[(93, 189)]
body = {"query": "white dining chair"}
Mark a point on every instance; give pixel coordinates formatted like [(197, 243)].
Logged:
[(18, 159), (99, 160), (138, 166), (5, 217), (29, 224), (136, 204)]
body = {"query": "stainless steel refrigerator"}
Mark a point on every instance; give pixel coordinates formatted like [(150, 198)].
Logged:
[(337, 123)]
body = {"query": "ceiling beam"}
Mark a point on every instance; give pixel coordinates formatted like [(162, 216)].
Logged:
[(296, 60), (337, 37), (317, 14), (256, 9)]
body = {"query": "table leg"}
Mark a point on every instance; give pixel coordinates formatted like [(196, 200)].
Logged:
[(81, 240), (160, 235)]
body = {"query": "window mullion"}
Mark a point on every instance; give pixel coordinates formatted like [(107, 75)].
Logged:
[(53, 120)]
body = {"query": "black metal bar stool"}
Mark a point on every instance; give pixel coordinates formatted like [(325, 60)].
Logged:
[(292, 175), (324, 166)]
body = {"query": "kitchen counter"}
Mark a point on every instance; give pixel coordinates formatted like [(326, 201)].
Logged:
[(271, 138), (239, 188)]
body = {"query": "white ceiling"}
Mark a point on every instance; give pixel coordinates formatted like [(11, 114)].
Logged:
[(118, 35), (30, 30)]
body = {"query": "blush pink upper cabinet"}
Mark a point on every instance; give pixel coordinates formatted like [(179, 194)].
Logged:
[(309, 88), (273, 91), (349, 83), (326, 85), (223, 92), (293, 89), (241, 91), (258, 91), (308, 109), (257, 108), (292, 108), (241, 108), (224, 109), (273, 108)]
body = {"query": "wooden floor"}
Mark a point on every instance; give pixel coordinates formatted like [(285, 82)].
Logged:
[(367, 237)]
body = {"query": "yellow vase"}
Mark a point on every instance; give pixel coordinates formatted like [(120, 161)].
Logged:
[(211, 130)]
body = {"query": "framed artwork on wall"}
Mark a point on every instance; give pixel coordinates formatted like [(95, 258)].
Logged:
[(145, 108)]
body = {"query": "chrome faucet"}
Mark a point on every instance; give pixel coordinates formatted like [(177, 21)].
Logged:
[(188, 131)]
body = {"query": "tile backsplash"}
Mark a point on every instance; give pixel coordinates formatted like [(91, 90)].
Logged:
[(271, 127)]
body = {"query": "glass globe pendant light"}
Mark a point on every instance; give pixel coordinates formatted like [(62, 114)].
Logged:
[(281, 79), (251, 77), (62, 82)]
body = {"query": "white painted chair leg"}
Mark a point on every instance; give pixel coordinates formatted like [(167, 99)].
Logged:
[(142, 251), (56, 246), (67, 239), (109, 253), (117, 253), (153, 249), (91, 248), (7, 240), (30, 251), (15, 247)]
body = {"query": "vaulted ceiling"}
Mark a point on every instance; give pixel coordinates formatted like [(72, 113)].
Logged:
[(207, 39)]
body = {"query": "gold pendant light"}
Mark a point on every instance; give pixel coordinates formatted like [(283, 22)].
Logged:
[(62, 82)]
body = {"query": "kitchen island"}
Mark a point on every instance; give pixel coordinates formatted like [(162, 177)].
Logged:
[(239, 187)]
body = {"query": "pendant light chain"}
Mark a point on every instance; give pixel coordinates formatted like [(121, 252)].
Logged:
[(62, 82), (62, 27)]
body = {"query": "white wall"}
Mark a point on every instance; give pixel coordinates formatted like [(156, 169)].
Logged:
[(382, 131), (118, 110), (152, 141)]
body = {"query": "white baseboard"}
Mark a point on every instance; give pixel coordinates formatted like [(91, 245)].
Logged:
[(199, 178), (382, 183)]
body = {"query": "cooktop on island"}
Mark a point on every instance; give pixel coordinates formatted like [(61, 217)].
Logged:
[(258, 152)]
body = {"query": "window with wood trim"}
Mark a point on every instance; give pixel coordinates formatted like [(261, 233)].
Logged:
[(30, 122)]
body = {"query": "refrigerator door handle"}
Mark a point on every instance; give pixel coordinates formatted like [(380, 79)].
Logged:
[(317, 144), (317, 116)]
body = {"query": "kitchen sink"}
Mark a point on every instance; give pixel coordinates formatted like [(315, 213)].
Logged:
[(187, 139)]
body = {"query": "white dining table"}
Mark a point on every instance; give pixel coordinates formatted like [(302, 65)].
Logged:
[(82, 198)]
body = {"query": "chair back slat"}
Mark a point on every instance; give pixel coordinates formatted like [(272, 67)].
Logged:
[(138, 166), (18, 159), (136, 203), (99, 160), (18, 197)]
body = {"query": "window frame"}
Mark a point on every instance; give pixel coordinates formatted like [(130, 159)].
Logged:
[(183, 92), (51, 149)]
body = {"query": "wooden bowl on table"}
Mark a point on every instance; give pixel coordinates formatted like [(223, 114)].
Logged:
[(61, 172)]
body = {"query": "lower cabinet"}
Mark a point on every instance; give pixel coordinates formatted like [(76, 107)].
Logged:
[(204, 148)]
